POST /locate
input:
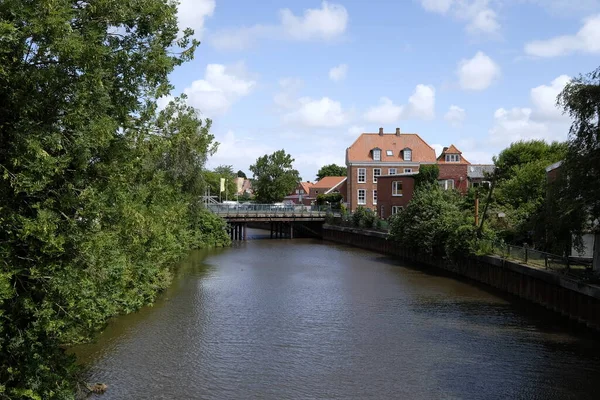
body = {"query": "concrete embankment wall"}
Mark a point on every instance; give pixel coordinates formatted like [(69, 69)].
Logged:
[(578, 301)]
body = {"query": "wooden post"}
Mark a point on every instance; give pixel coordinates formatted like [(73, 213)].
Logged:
[(476, 209)]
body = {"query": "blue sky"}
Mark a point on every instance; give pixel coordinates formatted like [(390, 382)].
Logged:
[(309, 76)]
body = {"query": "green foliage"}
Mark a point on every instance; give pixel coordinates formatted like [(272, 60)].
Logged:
[(522, 186), (331, 170), (98, 192), (363, 218), (274, 177), (332, 199), (213, 181), (428, 175), (433, 223), (580, 99), (241, 174)]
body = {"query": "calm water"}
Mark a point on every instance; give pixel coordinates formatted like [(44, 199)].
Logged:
[(301, 319)]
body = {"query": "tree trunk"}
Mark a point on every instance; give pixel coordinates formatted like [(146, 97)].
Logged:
[(596, 259)]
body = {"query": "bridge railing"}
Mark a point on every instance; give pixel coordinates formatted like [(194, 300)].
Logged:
[(251, 208)]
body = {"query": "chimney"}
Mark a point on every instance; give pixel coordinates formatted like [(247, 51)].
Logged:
[(397, 131), (380, 131), (444, 149)]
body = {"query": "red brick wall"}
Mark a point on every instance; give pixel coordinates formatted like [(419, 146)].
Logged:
[(353, 185), (458, 172), (385, 199)]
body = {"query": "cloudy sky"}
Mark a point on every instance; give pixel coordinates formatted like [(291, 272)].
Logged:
[(308, 76)]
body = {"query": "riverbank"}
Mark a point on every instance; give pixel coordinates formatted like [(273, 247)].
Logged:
[(575, 300)]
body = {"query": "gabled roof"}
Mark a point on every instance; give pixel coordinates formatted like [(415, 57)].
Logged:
[(329, 182), (306, 186), (451, 150), (360, 150)]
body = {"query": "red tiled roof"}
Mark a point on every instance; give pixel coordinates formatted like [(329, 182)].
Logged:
[(360, 150), (451, 150), (306, 186), (328, 182)]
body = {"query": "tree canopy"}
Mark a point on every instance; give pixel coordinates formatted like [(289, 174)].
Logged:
[(241, 174), (274, 177), (580, 99), (98, 191), (331, 170), (428, 175)]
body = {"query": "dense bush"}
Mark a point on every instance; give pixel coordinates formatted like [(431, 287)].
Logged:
[(434, 222), (98, 191)]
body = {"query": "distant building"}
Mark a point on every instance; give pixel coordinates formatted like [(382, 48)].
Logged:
[(380, 154), (453, 170), (244, 186), (480, 174), (328, 185), (301, 194)]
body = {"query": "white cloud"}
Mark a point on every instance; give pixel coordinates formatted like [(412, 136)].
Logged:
[(586, 40), (439, 6), (325, 113), (356, 130), (544, 97), (484, 21), (191, 14), (221, 87), (326, 23), (455, 116), (477, 73), (286, 98), (338, 73), (385, 113), (421, 105), (240, 152), (480, 17), (541, 121)]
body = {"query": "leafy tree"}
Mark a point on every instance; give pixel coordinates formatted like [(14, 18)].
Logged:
[(521, 187), (428, 175), (213, 180), (98, 192), (241, 174), (274, 177), (331, 170), (332, 199), (433, 223), (580, 99)]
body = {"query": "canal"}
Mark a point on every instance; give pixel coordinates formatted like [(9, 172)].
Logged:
[(303, 319)]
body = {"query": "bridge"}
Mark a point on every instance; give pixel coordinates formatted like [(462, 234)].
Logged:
[(282, 220)]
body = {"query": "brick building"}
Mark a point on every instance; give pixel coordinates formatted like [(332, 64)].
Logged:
[(301, 194), (453, 170), (395, 192), (378, 154), (328, 185)]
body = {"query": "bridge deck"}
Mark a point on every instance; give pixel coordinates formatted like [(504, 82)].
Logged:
[(268, 213)]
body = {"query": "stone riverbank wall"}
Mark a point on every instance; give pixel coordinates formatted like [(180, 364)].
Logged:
[(576, 300)]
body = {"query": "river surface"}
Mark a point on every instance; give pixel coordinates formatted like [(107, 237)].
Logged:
[(303, 319)]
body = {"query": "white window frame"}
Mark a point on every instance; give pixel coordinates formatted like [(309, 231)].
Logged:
[(447, 184), (408, 170), (375, 174), (395, 189), (397, 209), (392, 173), (377, 155), (390, 153), (363, 175), (364, 196), (375, 197), (452, 158), (407, 155)]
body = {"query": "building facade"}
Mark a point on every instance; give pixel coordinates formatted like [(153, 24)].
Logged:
[(453, 170), (373, 155), (395, 192)]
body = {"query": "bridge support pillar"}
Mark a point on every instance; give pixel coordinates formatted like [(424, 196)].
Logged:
[(244, 231), (291, 230)]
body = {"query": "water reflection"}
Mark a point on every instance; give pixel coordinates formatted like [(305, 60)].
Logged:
[(281, 319)]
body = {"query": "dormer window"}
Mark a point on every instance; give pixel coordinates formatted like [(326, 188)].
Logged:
[(452, 158), (389, 153), (407, 154), (377, 154)]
